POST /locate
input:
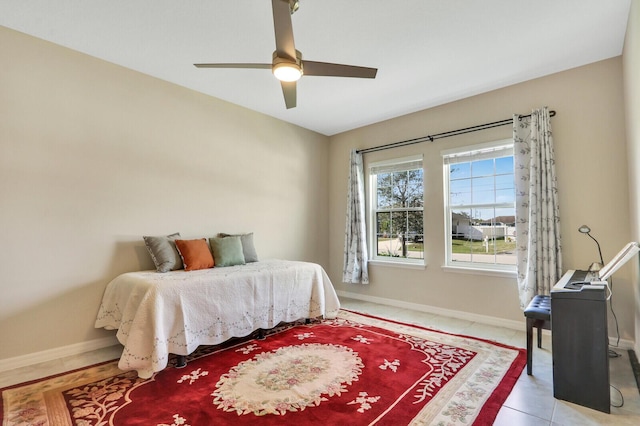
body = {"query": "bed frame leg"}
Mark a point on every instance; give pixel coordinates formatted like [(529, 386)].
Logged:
[(181, 361), (307, 321), (261, 334)]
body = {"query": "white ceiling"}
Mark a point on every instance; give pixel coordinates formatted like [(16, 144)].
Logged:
[(428, 52)]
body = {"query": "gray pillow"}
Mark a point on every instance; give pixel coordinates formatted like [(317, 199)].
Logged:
[(248, 249), (227, 251), (164, 253)]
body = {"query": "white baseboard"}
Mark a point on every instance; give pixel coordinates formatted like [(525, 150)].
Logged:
[(624, 344), (484, 319), (56, 353), (105, 342)]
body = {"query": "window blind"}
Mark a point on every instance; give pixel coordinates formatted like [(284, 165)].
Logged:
[(396, 167), (478, 154)]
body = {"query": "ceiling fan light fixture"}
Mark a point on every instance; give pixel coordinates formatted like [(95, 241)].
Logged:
[(287, 71)]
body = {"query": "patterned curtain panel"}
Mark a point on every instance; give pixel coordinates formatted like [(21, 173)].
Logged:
[(539, 252), (355, 243)]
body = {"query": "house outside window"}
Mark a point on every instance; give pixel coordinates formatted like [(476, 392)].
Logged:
[(479, 201), (396, 204)]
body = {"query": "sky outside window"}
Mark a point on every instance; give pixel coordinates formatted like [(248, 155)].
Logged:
[(488, 181)]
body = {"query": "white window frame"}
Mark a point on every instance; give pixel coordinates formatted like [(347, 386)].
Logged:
[(478, 151), (372, 210)]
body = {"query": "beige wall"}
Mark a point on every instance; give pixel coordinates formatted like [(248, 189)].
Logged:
[(93, 156), (591, 165), (631, 70)]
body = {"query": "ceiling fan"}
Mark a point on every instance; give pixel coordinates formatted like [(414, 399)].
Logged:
[(288, 65)]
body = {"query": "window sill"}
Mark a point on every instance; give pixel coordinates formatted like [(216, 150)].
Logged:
[(408, 265), (476, 271)]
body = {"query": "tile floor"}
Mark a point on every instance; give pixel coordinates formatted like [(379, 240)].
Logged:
[(530, 403)]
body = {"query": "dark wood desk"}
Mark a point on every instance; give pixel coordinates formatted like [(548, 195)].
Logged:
[(580, 345)]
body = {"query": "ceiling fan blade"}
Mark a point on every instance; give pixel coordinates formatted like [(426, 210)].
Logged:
[(337, 70), (260, 66), (283, 28), (289, 92)]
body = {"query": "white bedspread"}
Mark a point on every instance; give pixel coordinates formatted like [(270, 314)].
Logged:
[(161, 313)]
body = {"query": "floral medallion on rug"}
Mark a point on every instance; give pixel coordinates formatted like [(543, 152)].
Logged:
[(353, 370)]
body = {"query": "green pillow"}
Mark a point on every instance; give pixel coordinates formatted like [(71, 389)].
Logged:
[(227, 251), (248, 249)]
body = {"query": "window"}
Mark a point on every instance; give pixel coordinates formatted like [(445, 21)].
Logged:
[(396, 210), (480, 210)]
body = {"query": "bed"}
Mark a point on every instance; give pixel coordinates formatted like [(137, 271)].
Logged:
[(157, 314)]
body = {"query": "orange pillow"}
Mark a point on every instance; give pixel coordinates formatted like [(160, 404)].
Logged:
[(195, 254)]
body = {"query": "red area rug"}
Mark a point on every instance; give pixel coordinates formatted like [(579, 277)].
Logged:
[(354, 370)]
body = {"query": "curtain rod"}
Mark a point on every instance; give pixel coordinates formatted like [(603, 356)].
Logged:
[(443, 135)]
